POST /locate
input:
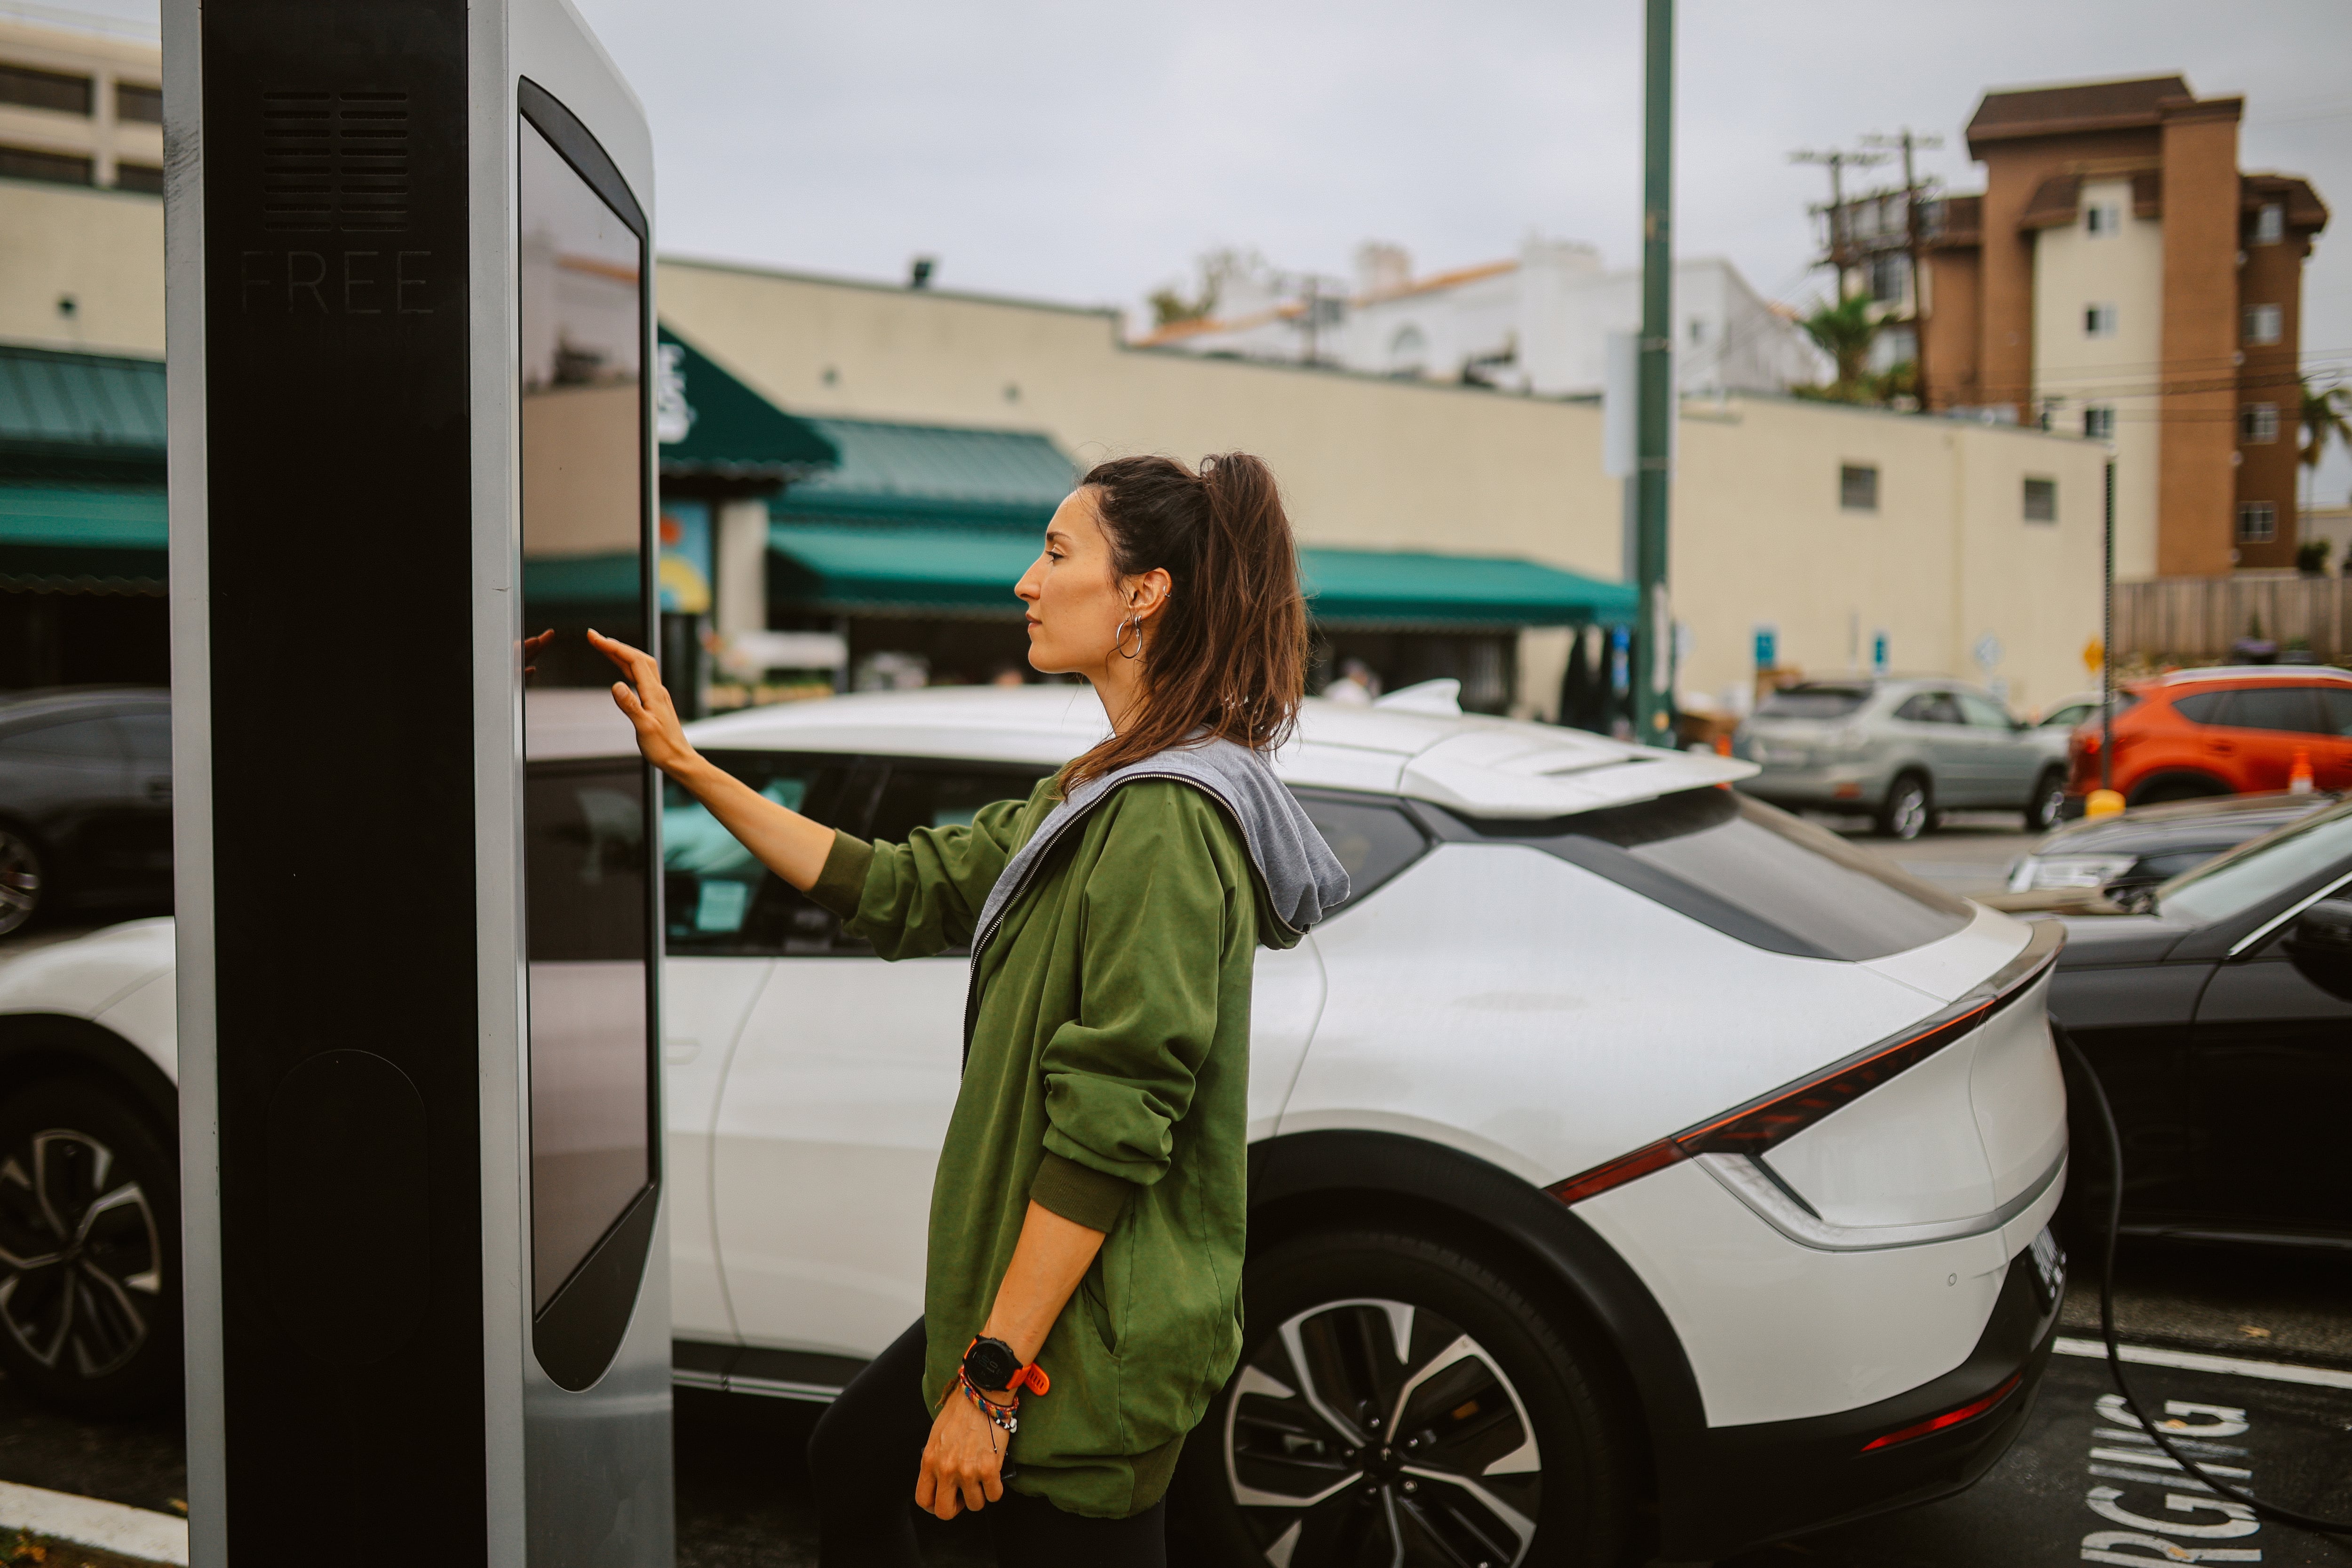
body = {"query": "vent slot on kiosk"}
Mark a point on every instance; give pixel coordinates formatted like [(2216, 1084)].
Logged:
[(588, 829)]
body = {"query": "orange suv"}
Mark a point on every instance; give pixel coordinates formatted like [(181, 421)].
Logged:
[(2231, 730)]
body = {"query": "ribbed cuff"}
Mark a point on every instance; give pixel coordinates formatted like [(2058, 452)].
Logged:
[(842, 884), (1081, 1195)]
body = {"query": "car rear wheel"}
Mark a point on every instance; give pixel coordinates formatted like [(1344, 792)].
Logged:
[(1908, 809), (20, 880), (1400, 1403), (2043, 811), (89, 1267)]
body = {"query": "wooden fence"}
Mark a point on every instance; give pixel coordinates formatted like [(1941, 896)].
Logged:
[(2194, 620)]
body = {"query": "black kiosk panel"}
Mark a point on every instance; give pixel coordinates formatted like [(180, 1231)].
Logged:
[(589, 891)]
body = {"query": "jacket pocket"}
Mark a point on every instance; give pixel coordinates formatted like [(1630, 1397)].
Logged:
[(1092, 1292)]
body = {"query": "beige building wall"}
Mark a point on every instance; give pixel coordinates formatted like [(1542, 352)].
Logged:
[(1759, 534), (2074, 269), (100, 136), (102, 250)]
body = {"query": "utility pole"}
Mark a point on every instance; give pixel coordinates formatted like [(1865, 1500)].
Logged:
[(1838, 161), (1654, 660), (1916, 245)]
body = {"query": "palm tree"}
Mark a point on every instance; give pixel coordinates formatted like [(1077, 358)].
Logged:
[(1844, 330), (2325, 411)]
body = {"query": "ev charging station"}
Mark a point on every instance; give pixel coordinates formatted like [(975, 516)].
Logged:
[(409, 247)]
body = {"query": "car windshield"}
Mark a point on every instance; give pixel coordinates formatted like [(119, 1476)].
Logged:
[(1813, 702), (2258, 870)]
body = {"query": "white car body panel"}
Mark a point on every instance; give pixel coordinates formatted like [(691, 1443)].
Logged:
[(704, 1001), (1529, 1027), (1491, 998), (1778, 1332)]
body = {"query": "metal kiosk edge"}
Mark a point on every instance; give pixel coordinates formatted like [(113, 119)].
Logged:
[(426, 1251)]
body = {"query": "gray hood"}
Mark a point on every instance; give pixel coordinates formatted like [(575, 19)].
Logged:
[(1303, 881)]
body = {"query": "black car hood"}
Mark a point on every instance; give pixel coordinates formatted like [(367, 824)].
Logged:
[(2096, 942), (2212, 825)]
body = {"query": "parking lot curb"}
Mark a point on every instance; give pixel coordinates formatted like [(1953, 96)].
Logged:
[(129, 1536), (2197, 1361)]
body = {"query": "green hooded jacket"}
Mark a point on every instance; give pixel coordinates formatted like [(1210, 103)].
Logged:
[(1106, 1077)]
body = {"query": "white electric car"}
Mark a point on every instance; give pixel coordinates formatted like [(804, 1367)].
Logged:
[(1635, 1168)]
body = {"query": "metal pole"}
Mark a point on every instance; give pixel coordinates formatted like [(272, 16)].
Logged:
[(1913, 246), (1653, 661), (2107, 645)]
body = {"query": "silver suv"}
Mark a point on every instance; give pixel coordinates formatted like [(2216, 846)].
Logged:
[(1902, 751)]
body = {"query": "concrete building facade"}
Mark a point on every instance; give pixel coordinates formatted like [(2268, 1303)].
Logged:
[(1971, 537), (81, 107), (2121, 277)]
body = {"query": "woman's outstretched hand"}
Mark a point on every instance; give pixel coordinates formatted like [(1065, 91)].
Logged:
[(642, 695), (963, 1463)]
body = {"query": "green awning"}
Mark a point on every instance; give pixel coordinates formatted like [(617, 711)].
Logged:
[(77, 417), (732, 434), (932, 476), (86, 538), (583, 579), (881, 570)]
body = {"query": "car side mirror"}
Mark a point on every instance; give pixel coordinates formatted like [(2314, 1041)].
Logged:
[(2319, 944)]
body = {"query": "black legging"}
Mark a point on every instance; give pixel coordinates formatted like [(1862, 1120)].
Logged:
[(867, 1450)]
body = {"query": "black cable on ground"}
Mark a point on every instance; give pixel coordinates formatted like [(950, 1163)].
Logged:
[(2270, 1510)]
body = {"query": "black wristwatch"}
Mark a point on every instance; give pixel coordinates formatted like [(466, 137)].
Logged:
[(991, 1364)]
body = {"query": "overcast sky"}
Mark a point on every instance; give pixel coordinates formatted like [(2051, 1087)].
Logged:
[(1090, 150)]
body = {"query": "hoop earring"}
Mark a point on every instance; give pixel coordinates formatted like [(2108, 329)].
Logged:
[(1119, 643)]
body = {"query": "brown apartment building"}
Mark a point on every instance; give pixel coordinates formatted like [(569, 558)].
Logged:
[(2120, 275)]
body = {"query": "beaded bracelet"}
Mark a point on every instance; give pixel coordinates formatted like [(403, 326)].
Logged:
[(1004, 1417)]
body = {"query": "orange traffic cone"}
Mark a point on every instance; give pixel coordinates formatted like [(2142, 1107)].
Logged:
[(2298, 776)]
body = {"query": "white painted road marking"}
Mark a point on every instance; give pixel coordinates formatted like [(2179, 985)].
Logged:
[(2194, 1361), (134, 1533)]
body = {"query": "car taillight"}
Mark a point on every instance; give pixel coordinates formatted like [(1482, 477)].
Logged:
[(1755, 1127), (1952, 1417)]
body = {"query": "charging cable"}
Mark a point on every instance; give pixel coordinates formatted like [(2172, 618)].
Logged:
[(2270, 1510)]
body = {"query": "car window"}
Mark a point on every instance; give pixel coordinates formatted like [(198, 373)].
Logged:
[(1759, 874), (1984, 713), (149, 737), (1918, 708), (1813, 702), (1374, 840), (2260, 869), (2066, 718), (2202, 707), (718, 899), (2336, 709), (75, 741), (945, 794), (2288, 707)]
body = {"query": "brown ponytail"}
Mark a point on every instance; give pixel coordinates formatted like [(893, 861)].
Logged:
[(1228, 651)]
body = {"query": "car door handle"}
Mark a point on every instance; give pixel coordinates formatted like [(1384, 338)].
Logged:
[(2221, 748)]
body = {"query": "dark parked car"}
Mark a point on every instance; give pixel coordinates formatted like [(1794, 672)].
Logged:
[(85, 801), (2139, 849), (2220, 1018)]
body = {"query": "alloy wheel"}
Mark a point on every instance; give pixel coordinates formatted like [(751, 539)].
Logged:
[(20, 881), (1373, 1434), (1907, 814), (82, 1261)]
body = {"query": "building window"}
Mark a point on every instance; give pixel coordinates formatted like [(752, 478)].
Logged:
[(1858, 487), (2262, 324), (24, 163), (144, 178), (2040, 501), (2103, 220), (1887, 277), (2258, 424), (2270, 224), (144, 105), (2098, 424), (29, 89), (2257, 522), (2098, 320)]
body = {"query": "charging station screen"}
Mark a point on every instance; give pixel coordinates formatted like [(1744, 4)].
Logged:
[(587, 892)]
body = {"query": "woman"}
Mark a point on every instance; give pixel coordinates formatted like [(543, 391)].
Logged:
[(1083, 1293)]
